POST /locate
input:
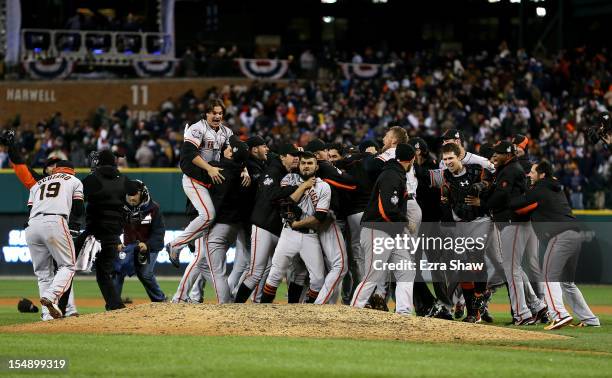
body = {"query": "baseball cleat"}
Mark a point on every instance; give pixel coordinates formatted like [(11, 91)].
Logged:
[(472, 319), (585, 325), (542, 314), (54, 310), (459, 310), (173, 255), (559, 323), (486, 317), (379, 303), (442, 313), (526, 322)]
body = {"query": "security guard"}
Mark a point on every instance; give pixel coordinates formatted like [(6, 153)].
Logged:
[(105, 190)]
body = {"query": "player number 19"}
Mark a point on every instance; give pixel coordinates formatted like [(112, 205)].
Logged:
[(52, 190)]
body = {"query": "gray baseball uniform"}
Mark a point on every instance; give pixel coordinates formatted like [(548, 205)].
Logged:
[(48, 236), (209, 143), (303, 242), (561, 251), (375, 272)]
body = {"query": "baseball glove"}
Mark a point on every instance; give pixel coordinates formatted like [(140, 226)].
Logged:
[(290, 211), (26, 305)]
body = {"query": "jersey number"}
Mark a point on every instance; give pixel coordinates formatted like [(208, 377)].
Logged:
[(52, 190)]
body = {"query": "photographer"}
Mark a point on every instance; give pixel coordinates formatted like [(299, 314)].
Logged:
[(602, 131), (143, 236)]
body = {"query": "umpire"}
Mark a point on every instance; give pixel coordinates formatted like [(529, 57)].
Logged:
[(105, 190)]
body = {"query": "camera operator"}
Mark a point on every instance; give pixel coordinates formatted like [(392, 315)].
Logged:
[(143, 235), (105, 190), (602, 131)]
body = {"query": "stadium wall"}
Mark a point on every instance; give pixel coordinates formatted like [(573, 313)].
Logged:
[(77, 100)]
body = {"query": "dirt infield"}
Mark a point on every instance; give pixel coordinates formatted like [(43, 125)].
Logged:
[(99, 302), (276, 320)]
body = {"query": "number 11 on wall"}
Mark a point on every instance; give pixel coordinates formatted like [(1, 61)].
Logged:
[(140, 92)]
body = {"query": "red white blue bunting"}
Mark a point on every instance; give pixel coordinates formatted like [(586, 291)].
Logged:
[(263, 68), (361, 70), (48, 69), (155, 68)]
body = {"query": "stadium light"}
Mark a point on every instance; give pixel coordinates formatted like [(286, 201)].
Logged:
[(380, 1), (541, 11), (328, 1), (493, 1), (515, 1), (328, 19)]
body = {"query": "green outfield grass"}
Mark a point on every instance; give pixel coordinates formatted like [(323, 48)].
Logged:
[(588, 353)]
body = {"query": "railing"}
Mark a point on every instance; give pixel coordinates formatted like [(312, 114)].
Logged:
[(94, 46)]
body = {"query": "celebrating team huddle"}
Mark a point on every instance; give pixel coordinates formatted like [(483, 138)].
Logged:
[(320, 217)]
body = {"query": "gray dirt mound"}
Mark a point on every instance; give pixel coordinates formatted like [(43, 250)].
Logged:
[(276, 320)]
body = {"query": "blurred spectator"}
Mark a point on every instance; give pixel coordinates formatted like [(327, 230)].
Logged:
[(144, 155), (576, 187)]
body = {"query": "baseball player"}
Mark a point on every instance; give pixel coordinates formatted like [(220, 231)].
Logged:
[(428, 197), (513, 229), (455, 136), (256, 166), (353, 206), (299, 235), (203, 142), (227, 197), (553, 220), (384, 218), (266, 219), (464, 187), (53, 201), (374, 166), (330, 235), (532, 248), (28, 177)]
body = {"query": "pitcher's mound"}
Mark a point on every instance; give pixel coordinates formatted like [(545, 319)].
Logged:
[(276, 320)]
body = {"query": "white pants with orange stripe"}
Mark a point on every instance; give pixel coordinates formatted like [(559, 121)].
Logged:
[(376, 273), (200, 199), (560, 262), (193, 275), (307, 246), (49, 239), (514, 238), (336, 260), (263, 244)]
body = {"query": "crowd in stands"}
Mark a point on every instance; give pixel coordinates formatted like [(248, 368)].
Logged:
[(488, 96)]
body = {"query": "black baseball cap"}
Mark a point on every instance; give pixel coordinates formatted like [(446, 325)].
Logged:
[(504, 147), (334, 146), (419, 144), (288, 149), (452, 134), (367, 144), (240, 150), (133, 187), (404, 152), (255, 141), (486, 150), (51, 161), (315, 145)]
